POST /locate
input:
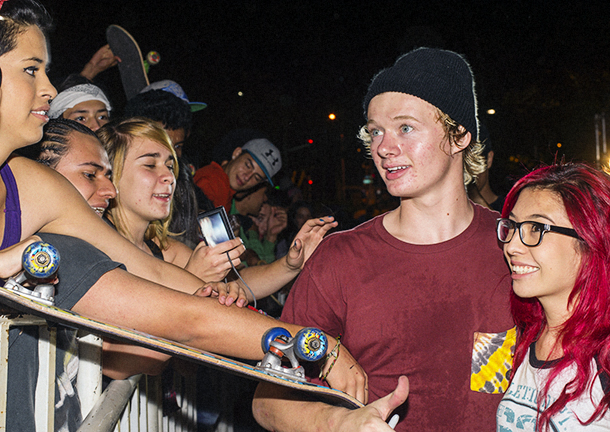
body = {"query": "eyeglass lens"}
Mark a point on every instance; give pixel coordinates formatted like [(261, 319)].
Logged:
[(529, 232)]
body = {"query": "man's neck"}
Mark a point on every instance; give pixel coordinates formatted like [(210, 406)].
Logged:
[(430, 221)]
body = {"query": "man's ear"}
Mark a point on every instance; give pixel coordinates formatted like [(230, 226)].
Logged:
[(462, 143), (236, 153), (490, 158)]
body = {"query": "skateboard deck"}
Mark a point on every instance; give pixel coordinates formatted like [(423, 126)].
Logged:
[(131, 65), (70, 319)]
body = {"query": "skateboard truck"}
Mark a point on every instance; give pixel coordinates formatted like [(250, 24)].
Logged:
[(40, 263), (308, 344)]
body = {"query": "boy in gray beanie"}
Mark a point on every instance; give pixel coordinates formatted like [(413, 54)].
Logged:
[(418, 291)]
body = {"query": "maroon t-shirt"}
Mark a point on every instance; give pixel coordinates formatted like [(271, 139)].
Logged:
[(405, 309)]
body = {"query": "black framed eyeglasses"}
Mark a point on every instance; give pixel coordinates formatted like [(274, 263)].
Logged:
[(530, 232)]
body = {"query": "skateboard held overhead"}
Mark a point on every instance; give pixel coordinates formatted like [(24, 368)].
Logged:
[(131, 64), (308, 344)]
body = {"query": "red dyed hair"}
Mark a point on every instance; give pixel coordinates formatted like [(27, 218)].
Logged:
[(585, 193)]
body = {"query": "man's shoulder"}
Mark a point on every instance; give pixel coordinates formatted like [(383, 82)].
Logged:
[(487, 218), (210, 171), (357, 234), (487, 214), (346, 244)]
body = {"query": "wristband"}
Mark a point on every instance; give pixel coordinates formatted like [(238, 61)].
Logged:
[(334, 353)]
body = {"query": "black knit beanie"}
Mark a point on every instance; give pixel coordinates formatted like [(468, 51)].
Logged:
[(441, 78)]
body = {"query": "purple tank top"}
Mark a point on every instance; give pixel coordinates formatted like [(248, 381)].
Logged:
[(12, 210)]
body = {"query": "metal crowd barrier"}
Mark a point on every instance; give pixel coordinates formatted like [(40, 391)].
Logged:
[(132, 405)]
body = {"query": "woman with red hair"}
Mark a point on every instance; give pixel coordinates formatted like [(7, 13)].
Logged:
[(554, 228)]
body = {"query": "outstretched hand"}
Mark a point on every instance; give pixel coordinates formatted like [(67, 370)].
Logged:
[(227, 293), (210, 263), (307, 240), (277, 222), (103, 59), (374, 416)]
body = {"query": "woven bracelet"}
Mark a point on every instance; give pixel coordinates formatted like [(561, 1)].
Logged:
[(334, 353)]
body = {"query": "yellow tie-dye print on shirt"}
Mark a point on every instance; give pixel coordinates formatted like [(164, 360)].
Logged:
[(492, 360)]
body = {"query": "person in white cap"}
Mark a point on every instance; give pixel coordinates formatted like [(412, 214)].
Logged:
[(256, 161), (84, 103)]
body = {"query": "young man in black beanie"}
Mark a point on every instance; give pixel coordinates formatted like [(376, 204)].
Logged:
[(410, 290)]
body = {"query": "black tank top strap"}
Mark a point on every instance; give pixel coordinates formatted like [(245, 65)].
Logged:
[(156, 250)]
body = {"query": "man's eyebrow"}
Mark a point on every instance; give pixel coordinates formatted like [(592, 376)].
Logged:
[(84, 111), (398, 117), (92, 164)]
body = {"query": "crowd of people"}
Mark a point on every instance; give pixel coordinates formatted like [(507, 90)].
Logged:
[(458, 309)]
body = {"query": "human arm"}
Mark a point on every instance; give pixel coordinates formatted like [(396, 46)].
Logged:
[(49, 203), (210, 263), (123, 299), (10, 258), (281, 409), (264, 280), (121, 360), (103, 59), (277, 222)]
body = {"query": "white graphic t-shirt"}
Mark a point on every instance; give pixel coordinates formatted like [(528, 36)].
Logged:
[(518, 409)]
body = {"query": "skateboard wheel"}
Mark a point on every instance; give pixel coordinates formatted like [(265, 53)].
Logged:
[(271, 335), (40, 260), (153, 57), (310, 344)]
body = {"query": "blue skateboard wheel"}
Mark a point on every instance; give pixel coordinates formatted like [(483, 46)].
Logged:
[(310, 344), (271, 335), (40, 260)]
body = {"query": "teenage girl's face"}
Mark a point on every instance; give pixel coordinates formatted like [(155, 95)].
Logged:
[(26, 90), (147, 184), (86, 166), (547, 271)]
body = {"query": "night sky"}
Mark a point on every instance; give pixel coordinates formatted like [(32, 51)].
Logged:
[(543, 66)]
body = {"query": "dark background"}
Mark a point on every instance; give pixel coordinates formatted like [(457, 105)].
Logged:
[(543, 66)]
